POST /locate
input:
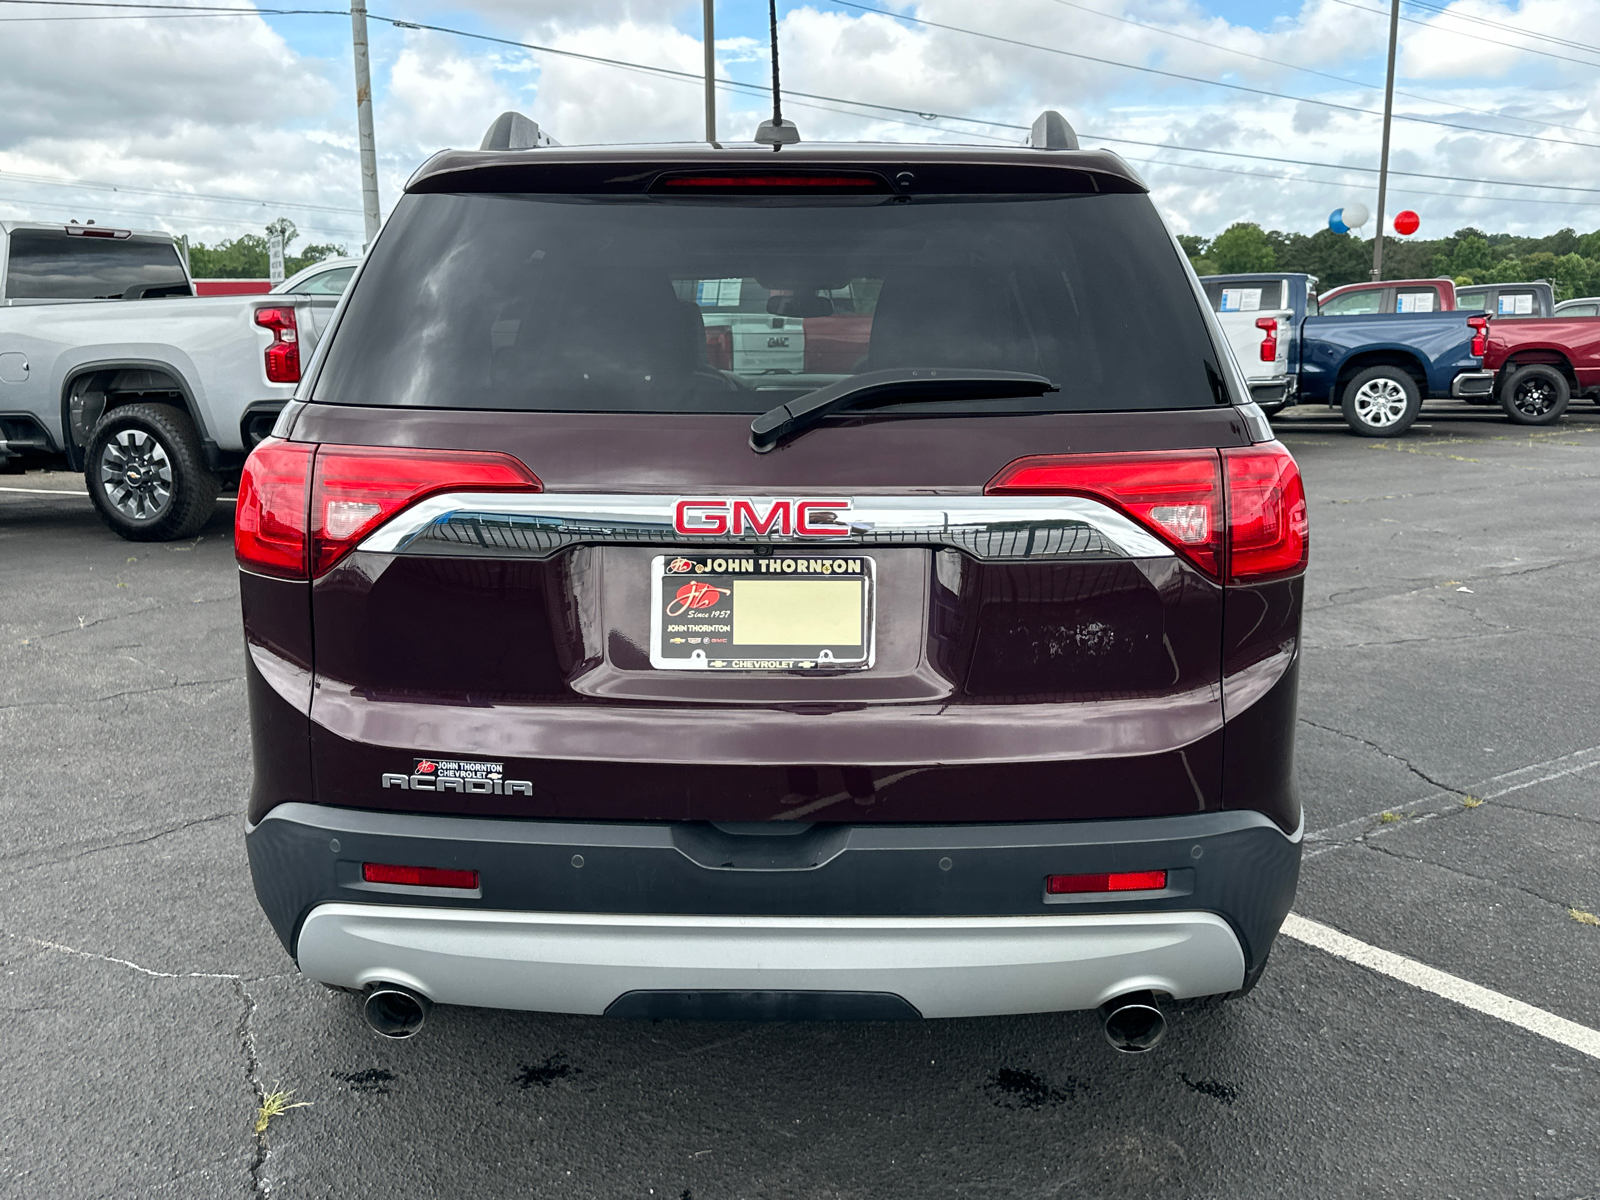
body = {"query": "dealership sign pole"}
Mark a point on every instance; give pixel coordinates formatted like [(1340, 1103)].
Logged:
[(369, 154), (1383, 166)]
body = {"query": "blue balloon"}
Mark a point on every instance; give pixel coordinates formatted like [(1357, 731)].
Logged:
[(1336, 221)]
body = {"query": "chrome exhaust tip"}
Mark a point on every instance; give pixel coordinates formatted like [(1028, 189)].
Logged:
[(1133, 1023), (395, 1012)]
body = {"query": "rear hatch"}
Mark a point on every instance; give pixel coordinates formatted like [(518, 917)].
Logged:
[(553, 578)]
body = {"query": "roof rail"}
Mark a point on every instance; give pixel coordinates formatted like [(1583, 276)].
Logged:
[(1051, 132), (513, 131)]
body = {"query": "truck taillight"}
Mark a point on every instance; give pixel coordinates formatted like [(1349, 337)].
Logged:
[(1269, 340), (283, 356), (1480, 336), (303, 507), (1244, 506)]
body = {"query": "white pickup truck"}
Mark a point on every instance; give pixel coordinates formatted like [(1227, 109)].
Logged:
[(110, 362)]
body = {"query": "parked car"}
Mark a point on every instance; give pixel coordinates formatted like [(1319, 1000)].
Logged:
[(1535, 367), (1509, 301), (1583, 306), (1389, 296), (157, 403), (322, 284), (589, 676), (1376, 368)]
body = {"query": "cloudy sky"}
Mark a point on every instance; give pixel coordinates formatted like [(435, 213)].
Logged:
[(211, 125)]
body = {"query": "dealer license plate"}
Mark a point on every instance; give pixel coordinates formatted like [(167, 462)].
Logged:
[(739, 612)]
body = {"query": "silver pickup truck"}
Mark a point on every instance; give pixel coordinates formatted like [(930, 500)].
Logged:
[(110, 363)]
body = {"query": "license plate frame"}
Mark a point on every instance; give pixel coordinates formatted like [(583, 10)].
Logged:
[(790, 581)]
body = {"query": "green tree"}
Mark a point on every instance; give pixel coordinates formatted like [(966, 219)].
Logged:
[(1471, 259), (1241, 248), (246, 257)]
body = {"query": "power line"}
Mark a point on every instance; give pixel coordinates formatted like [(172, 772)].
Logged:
[(1463, 34), (1278, 62), (95, 185), (1480, 22), (1236, 87), (78, 210)]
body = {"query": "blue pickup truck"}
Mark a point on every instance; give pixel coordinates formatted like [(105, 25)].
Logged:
[(1376, 368)]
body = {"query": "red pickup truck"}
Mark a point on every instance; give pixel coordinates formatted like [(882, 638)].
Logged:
[(1538, 365)]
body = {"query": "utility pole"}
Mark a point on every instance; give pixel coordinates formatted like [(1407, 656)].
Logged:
[(711, 71), (1383, 166), (369, 154)]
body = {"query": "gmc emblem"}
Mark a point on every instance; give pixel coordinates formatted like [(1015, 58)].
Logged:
[(727, 516)]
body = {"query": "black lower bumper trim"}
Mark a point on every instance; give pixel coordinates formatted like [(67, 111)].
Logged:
[(1236, 864), (764, 1006)]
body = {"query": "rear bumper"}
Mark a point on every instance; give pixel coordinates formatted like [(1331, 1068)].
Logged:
[(572, 916), (1472, 383), (645, 965), (1280, 390)]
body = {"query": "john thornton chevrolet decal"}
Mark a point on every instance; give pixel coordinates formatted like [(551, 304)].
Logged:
[(458, 775)]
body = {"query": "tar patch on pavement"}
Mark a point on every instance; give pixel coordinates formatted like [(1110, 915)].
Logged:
[(374, 1079), (1225, 1092), (544, 1074), (1023, 1089)]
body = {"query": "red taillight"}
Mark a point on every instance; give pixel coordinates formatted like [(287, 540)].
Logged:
[(439, 877), (1118, 881), (298, 515), (1175, 492), (1269, 342), (1480, 335), (719, 347), (1267, 534), (283, 356), (269, 531), (1178, 494), (356, 488)]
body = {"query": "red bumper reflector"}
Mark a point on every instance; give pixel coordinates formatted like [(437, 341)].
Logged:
[(438, 877), (1120, 881)]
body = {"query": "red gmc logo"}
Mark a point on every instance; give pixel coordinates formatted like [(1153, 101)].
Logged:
[(740, 517)]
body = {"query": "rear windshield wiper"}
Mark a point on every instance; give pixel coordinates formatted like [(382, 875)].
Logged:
[(890, 387)]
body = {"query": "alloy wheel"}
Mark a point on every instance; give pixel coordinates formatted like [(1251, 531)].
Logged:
[(136, 475), (1381, 403), (1534, 397)]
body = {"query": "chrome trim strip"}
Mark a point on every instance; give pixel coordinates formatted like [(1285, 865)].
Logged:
[(996, 528), (943, 966)]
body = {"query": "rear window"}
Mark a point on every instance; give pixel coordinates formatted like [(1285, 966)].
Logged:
[(639, 304), (1246, 295), (48, 264)]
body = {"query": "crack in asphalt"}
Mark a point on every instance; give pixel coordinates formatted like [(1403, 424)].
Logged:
[(1389, 754), (166, 831), (252, 1074), (168, 687), (91, 956), (1563, 905)]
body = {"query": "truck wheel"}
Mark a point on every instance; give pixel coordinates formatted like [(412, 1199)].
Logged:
[(1381, 402), (146, 474), (1535, 395)]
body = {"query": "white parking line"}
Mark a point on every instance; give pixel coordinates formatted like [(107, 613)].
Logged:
[(45, 491), (1441, 983), (1489, 789)]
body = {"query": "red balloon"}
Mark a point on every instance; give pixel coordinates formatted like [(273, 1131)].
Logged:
[(1406, 223)]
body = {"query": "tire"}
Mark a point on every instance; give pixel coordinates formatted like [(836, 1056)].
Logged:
[(147, 476), (1536, 394), (1381, 402)]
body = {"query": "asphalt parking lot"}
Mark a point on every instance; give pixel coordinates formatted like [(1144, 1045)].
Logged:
[(1449, 759)]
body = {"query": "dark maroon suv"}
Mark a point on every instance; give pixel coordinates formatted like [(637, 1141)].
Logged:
[(849, 582)]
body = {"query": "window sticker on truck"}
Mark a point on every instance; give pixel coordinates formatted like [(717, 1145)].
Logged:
[(1241, 299)]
